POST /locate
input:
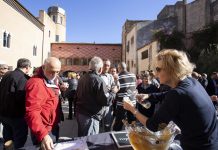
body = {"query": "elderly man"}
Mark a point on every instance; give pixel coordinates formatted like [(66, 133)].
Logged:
[(3, 70), (92, 96), (12, 104), (43, 105), (109, 81)]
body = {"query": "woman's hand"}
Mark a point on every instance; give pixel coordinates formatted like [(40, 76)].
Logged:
[(214, 98), (141, 97), (128, 105)]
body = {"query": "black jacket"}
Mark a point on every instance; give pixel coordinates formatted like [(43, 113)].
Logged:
[(12, 94), (211, 87), (73, 83), (92, 94)]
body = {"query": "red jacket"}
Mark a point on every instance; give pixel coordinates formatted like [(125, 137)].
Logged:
[(41, 106)]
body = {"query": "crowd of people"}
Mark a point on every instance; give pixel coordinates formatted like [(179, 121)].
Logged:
[(105, 96)]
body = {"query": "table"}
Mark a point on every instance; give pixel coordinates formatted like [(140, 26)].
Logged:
[(103, 141)]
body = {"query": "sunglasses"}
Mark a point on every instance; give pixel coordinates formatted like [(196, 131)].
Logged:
[(158, 69)]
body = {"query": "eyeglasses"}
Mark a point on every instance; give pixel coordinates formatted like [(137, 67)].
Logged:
[(158, 69)]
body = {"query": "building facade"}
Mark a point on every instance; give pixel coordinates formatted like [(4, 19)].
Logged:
[(129, 45), (146, 56), (76, 56), (182, 16), (22, 35)]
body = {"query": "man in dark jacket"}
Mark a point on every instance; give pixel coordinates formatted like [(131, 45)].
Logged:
[(92, 96), (12, 103), (212, 87)]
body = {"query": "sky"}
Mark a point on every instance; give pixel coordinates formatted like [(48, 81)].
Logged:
[(99, 21)]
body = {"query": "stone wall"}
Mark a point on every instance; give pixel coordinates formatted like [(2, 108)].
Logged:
[(145, 34), (166, 12), (197, 15), (215, 11)]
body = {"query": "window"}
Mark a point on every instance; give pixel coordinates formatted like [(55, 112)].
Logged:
[(57, 38), (8, 40), (4, 39), (69, 61), (89, 59), (76, 61), (61, 20), (63, 61), (49, 33), (54, 18), (128, 65), (132, 63), (84, 61), (145, 54), (132, 40), (34, 50), (127, 47)]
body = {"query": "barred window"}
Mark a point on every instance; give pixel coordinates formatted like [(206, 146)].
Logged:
[(76, 61), (4, 39), (63, 61), (84, 61), (145, 54), (69, 61), (34, 50)]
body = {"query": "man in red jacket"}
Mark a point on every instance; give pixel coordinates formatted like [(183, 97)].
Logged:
[(43, 105)]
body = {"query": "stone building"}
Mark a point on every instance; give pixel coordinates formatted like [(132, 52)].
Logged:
[(22, 35), (76, 56), (192, 16), (182, 16), (141, 35), (129, 42), (174, 11), (146, 56)]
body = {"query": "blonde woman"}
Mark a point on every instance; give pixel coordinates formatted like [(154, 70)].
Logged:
[(187, 103), (73, 83)]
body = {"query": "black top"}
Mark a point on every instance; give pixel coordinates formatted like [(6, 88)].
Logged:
[(73, 83), (92, 94), (211, 87), (12, 94), (190, 107)]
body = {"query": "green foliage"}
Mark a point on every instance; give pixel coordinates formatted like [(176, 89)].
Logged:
[(169, 40), (207, 63), (205, 50)]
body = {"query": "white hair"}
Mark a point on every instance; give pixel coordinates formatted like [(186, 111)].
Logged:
[(95, 64), (123, 66)]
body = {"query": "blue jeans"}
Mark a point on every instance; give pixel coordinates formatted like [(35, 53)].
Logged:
[(15, 129), (107, 118), (87, 125)]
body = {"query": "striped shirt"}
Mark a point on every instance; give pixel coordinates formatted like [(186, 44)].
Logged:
[(127, 83)]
